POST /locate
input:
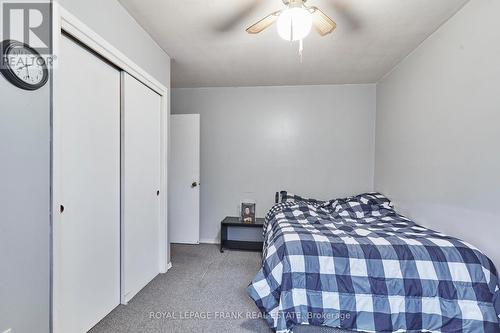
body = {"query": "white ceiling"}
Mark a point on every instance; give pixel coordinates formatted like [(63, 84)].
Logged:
[(203, 56)]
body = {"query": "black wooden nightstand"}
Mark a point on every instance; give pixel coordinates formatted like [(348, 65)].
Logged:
[(239, 245)]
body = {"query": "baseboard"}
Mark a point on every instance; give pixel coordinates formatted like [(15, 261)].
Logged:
[(202, 241), (186, 243), (209, 241)]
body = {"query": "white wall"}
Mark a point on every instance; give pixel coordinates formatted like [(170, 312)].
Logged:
[(438, 134), (25, 170), (24, 208), (311, 140)]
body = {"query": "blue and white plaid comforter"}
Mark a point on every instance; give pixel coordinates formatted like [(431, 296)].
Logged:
[(357, 264)]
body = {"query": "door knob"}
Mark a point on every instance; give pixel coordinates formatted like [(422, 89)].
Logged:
[(194, 184)]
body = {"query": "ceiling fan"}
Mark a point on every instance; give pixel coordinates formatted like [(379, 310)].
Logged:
[(295, 21)]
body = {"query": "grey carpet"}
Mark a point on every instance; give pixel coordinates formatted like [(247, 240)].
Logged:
[(202, 281)]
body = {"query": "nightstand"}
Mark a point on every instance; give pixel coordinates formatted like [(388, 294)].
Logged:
[(238, 244)]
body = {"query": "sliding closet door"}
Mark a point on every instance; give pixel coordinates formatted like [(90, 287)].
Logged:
[(86, 189), (141, 111)]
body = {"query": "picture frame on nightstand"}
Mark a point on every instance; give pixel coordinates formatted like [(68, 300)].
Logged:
[(247, 212)]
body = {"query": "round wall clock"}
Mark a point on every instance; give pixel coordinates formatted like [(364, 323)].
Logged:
[(23, 66)]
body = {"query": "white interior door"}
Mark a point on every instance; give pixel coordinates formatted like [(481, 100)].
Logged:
[(87, 185), (184, 196), (141, 115)]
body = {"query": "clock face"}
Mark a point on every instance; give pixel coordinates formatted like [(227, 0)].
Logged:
[(26, 65), (23, 66)]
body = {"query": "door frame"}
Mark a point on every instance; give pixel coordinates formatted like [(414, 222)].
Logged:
[(63, 22)]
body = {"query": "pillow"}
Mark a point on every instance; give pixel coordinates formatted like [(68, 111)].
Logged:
[(367, 204)]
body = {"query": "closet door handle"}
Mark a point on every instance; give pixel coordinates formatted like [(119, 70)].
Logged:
[(61, 209), (158, 193)]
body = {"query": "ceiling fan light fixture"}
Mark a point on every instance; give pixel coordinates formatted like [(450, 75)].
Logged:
[(294, 23)]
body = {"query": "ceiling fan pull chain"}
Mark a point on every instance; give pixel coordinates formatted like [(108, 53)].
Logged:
[(301, 49)]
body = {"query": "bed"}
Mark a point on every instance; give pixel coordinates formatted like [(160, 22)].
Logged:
[(357, 264)]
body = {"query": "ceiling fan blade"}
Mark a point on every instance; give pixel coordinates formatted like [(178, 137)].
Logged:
[(323, 24), (240, 16), (265, 23)]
